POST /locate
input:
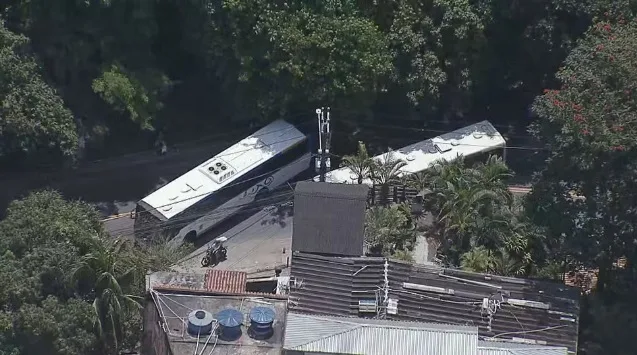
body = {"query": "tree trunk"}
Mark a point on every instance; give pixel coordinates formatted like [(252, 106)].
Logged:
[(384, 194)]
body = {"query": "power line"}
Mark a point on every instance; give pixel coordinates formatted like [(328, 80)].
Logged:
[(221, 189), (111, 159), (211, 214), (335, 155)]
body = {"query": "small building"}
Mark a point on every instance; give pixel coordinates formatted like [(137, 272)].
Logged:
[(311, 334), (508, 309), (329, 219), (315, 334), (211, 314)]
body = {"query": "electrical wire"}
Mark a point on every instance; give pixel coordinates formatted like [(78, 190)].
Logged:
[(401, 118), (191, 218), (413, 129), (530, 331), (177, 145), (314, 155), (183, 221)]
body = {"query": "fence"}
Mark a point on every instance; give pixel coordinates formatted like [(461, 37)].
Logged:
[(394, 194)]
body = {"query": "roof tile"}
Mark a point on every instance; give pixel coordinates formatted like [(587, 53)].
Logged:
[(225, 281)]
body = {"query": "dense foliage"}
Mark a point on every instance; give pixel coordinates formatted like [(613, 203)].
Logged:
[(67, 287), (87, 76), (123, 67), (34, 123), (585, 197)]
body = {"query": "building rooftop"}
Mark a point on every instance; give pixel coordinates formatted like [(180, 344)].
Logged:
[(175, 308), (328, 334), (501, 307), (329, 218), (504, 348)]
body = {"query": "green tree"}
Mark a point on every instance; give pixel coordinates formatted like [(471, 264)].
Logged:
[(472, 207), (41, 240), (588, 125), (295, 55), (360, 164), (127, 94), (386, 171), (110, 277), (436, 45), (389, 230), (35, 126), (585, 196)]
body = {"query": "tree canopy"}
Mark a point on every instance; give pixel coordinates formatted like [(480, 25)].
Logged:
[(81, 78), (68, 288)]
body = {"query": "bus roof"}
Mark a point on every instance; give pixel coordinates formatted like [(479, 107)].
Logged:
[(467, 141), (221, 170)]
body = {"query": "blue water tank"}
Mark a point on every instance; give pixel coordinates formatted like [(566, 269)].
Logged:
[(200, 322), (230, 321), (261, 320)]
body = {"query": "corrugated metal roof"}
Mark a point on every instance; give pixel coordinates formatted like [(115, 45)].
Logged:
[(506, 348), (335, 285), (371, 336), (225, 281)]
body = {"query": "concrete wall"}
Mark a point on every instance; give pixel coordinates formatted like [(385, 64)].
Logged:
[(154, 339)]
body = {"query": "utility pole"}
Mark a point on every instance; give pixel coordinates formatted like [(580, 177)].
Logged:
[(323, 118)]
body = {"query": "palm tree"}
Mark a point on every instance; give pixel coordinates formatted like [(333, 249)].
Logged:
[(105, 276), (386, 171), (360, 163), (472, 206), (483, 260), (477, 260), (388, 230)]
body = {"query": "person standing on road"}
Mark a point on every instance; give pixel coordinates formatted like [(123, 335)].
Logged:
[(160, 144)]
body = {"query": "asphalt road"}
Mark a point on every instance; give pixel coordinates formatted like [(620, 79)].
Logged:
[(115, 185), (258, 243)]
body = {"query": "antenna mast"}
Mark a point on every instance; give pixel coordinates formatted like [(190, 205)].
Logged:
[(325, 135)]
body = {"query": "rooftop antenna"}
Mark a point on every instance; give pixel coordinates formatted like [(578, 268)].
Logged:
[(323, 118)]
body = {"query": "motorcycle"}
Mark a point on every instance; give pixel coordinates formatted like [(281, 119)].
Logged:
[(215, 253)]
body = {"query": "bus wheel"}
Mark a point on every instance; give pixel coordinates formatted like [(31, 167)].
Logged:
[(190, 236)]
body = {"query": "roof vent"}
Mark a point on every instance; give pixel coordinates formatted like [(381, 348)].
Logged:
[(200, 322), (367, 306), (230, 321), (261, 320), (218, 170)]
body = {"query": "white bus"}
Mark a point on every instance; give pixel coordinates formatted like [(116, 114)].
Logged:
[(221, 186), (470, 141)]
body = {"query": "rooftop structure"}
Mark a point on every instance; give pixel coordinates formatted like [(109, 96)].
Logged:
[(474, 139), (186, 324), (504, 348), (503, 308), (343, 335), (329, 218), (221, 170)]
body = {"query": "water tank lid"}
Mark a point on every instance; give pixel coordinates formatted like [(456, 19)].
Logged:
[(230, 318), (200, 318), (262, 315)]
